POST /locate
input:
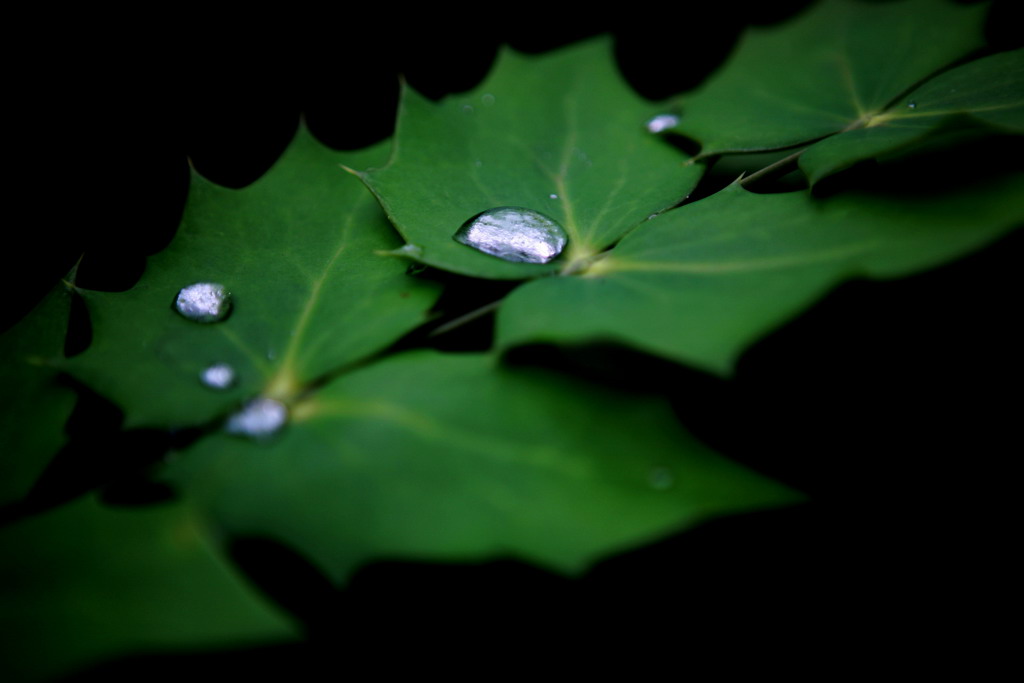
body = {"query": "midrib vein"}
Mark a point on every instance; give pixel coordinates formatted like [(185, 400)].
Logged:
[(563, 171), (302, 323), (722, 267)]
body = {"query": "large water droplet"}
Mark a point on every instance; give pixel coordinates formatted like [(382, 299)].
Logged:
[(259, 418), (204, 302), (662, 122), (514, 234), (218, 376)]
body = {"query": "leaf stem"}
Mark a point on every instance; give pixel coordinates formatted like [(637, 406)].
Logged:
[(466, 318), (784, 165), (777, 168)]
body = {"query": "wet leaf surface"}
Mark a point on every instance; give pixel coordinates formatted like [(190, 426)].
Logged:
[(560, 134), (298, 253)]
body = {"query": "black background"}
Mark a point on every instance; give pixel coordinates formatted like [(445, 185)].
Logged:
[(888, 403)]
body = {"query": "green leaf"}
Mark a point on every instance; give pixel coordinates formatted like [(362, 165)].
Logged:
[(298, 250), (33, 406), (85, 583), (990, 90), (839, 64), (452, 457), (702, 282), (560, 134)]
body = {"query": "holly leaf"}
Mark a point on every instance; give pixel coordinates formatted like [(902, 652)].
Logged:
[(702, 282), (86, 583), (298, 251), (428, 456), (989, 90), (33, 405), (559, 134), (832, 69)]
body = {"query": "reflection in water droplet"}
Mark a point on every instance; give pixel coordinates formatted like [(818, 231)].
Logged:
[(514, 234), (218, 376), (660, 478), (911, 105), (204, 302), (487, 98), (258, 418), (662, 122)]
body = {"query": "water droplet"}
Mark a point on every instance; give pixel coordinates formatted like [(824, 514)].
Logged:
[(218, 376), (911, 105), (514, 234), (487, 98), (552, 196), (410, 250), (467, 109), (259, 418), (478, 163), (660, 478), (204, 302), (662, 122)]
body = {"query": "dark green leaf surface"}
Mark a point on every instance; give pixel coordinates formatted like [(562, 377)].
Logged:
[(298, 251), (85, 583), (990, 90), (559, 134), (700, 283), (840, 63), (33, 406), (452, 457)]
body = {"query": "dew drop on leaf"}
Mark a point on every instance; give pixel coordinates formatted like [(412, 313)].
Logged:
[(660, 478), (259, 418), (911, 105), (487, 98), (662, 122), (218, 376), (204, 302), (514, 234), (552, 196)]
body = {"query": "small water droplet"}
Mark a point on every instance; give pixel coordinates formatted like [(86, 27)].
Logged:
[(478, 163), (218, 376), (410, 250), (552, 196), (514, 234), (204, 302), (259, 418), (467, 109), (911, 105), (487, 98), (662, 122), (660, 478)]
